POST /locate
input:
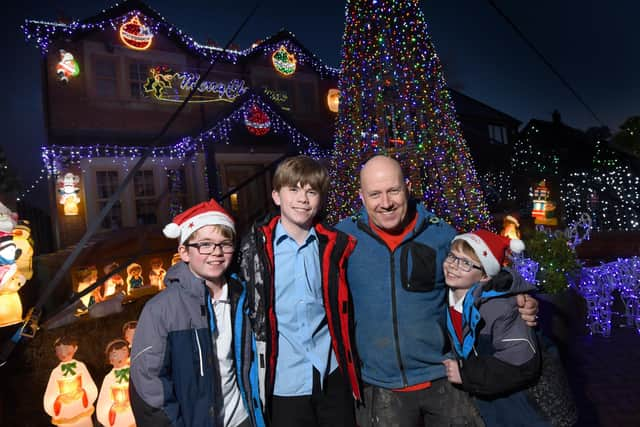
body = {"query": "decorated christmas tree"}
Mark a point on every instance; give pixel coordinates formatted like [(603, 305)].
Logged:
[(394, 101)]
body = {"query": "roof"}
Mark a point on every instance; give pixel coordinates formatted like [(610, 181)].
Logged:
[(471, 107)]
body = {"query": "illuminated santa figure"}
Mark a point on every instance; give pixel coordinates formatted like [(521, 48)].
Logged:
[(113, 408), (67, 67), (69, 189), (71, 392)]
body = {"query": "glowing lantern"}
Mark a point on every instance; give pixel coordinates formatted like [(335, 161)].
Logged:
[(71, 391), (510, 227), (543, 208), (68, 189), (67, 67), (257, 121), (283, 61), (333, 100), (135, 34), (113, 408)]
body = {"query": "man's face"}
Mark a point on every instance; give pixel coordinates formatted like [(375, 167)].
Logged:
[(298, 206), (384, 194), (210, 267)]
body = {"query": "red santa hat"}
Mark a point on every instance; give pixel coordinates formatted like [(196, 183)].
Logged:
[(491, 248), (205, 213)]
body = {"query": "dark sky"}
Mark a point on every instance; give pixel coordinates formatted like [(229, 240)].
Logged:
[(592, 43)]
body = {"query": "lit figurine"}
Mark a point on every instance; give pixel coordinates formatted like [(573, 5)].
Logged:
[(22, 239), (71, 391), (157, 273), (87, 276), (134, 276), (67, 67), (128, 331), (114, 284), (510, 227), (11, 280), (113, 408)]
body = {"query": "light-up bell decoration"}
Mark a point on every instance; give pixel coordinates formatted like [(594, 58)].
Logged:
[(257, 121), (543, 208), (283, 61), (67, 67), (68, 189), (333, 100), (70, 391), (135, 35)]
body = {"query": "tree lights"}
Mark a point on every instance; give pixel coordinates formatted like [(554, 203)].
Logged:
[(394, 100)]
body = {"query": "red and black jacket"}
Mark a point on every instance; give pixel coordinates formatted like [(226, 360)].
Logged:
[(257, 268)]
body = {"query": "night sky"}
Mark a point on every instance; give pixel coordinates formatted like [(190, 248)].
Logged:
[(593, 44)]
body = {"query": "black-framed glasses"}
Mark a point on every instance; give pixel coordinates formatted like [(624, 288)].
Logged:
[(463, 264), (207, 248)]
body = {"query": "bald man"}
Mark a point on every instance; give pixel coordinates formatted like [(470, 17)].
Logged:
[(397, 284)]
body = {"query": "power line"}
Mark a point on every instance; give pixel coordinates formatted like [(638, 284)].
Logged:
[(546, 61)]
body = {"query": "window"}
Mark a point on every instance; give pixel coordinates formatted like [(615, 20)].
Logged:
[(498, 134), (145, 195), (106, 185), (307, 98), (105, 78), (177, 191), (138, 73)]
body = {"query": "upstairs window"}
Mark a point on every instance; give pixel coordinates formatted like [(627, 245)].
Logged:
[(106, 185), (138, 73), (498, 134), (145, 196), (106, 80)]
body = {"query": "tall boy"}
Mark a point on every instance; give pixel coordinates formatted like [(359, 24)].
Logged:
[(299, 304), (497, 355), (184, 370)]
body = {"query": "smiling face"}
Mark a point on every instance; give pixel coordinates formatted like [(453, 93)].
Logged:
[(299, 205), (455, 276), (208, 267), (384, 193)]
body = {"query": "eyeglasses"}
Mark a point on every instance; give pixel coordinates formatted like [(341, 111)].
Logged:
[(463, 264), (207, 248)]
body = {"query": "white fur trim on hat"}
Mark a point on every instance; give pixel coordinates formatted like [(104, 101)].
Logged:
[(171, 230), (487, 259), (516, 246), (196, 222)]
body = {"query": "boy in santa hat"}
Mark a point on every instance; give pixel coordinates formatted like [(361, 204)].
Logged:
[(192, 359), (497, 355)]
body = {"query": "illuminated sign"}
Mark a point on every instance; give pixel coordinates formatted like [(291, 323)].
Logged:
[(167, 85), (279, 97), (135, 35)]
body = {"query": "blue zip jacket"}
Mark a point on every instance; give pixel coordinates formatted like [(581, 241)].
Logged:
[(399, 300), (175, 380)]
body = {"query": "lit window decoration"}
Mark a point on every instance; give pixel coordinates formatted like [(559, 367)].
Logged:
[(283, 61), (135, 35), (70, 392), (67, 67), (257, 121), (543, 208), (68, 188), (333, 100)]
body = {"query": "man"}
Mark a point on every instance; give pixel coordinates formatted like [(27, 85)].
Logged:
[(398, 290)]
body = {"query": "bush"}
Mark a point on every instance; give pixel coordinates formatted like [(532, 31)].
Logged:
[(555, 258)]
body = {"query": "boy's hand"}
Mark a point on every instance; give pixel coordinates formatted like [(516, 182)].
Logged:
[(453, 371), (528, 308)]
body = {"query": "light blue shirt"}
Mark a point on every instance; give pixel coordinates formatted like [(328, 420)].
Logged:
[(304, 341)]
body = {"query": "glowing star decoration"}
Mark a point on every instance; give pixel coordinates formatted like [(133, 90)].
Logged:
[(333, 100), (70, 391), (543, 208), (68, 189), (67, 67), (135, 35), (283, 61), (257, 121)]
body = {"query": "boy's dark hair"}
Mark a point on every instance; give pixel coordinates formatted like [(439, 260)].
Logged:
[(116, 344), (66, 340), (302, 170)]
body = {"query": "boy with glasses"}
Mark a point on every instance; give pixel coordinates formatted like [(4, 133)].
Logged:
[(184, 370), (497, 355)]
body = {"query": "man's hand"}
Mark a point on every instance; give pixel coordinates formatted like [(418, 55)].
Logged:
[(528, 308)]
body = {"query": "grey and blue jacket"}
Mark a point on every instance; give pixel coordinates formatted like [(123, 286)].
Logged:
[(498, 356), (175, 379), (399, 301)]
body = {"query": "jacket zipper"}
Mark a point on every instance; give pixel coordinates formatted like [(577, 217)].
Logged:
[(195, 332)]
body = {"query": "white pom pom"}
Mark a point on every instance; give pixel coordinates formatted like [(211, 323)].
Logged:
[(171, 230), (516, 246)]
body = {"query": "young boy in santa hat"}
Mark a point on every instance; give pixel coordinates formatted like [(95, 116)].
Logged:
[(192, 360), (497, 355)]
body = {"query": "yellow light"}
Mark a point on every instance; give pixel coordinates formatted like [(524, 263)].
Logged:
[(333, 100)]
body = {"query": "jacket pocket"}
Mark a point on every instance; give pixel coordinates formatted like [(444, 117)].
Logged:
[(418, 267)]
